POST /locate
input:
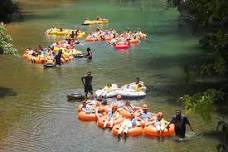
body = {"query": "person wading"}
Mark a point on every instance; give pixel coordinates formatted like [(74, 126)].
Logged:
[(87, 82)]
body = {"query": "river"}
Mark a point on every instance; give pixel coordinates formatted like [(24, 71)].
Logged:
[(34, 112)]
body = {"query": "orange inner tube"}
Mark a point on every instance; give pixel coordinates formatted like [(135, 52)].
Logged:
[(125, 113), (86, 116), (151, 131), (101, 121), (133, 132)]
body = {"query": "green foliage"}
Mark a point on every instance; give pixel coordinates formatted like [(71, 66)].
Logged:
[(6, 46), (212, 17), (215, 66), (201, 103)]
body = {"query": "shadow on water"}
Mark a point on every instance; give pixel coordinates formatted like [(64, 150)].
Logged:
[(30, 15), (6, 92), (175, 90)]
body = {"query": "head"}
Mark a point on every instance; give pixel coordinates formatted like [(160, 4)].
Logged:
[(178, 113), (109, 85), (114, 108), (88, 49), (83, 103), (118, 97), (160, 115), (132, 116), (89, 73), (145, 108), (60, 51), (137, 80)]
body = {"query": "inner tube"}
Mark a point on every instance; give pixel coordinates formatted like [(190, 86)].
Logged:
[(49, 65), (75, 96), (121, 46), (131, 95), (132, 132), (78, 55), (150, 131), (83, 116)]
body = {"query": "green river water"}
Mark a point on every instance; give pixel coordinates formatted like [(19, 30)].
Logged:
[(34, 113)]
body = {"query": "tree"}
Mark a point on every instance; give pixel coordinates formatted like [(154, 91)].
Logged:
[(6, 46), (8, 10)]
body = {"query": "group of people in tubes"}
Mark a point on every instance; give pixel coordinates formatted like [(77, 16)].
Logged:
[(124, 118), (118, 40), (58, 53)]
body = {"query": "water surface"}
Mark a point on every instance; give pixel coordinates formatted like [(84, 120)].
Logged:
[(34, 112)]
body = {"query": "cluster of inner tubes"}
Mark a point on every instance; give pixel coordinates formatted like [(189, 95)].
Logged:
[(42, 55), (124, 119), (118, 40), (47, 55)]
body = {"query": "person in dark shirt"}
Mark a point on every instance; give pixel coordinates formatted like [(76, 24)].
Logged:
[(87, 82), (58, 58), (89, 54), (180, 123)]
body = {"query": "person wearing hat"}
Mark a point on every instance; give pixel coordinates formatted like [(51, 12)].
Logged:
[(87, 82)]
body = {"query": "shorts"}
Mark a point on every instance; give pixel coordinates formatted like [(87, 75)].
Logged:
[(88, 88)]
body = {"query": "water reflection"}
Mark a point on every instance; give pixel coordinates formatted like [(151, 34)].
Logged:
[(4, 92)]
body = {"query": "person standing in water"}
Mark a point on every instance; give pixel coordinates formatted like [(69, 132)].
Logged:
[(180, 123), (89, 54), (87, 82), (58, 58)]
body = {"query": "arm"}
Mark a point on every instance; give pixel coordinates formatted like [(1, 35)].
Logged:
[(171, 122), (190, 126), (187, 122), (83, 80)]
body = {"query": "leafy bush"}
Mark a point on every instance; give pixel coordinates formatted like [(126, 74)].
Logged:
[(6, 46), (201, 103)]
